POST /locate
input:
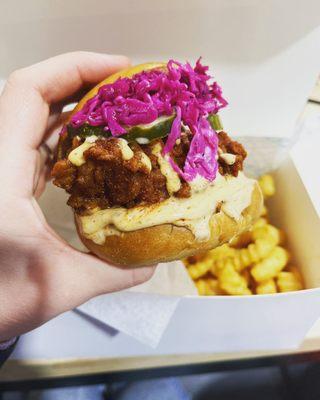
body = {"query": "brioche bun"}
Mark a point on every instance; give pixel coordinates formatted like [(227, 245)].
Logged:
[(166, 242)]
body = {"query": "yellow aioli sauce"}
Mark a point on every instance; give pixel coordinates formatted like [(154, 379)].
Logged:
[(173, 181), (230, 159), (126, 152), (146, 161), (193, 213), (76, 156)]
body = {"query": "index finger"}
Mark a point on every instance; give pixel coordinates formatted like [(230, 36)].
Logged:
[(24, 104)]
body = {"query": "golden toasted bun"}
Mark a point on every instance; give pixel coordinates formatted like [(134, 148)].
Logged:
[(64, 141), (168, 242), (165, 242)]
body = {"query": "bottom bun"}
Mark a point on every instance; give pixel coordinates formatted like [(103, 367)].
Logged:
[(169, 242)]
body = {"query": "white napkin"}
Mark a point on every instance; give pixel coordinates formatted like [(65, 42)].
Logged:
[(142, 316), (144, 312)]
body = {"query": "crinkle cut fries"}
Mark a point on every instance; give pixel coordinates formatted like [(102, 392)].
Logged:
[(256, 262)]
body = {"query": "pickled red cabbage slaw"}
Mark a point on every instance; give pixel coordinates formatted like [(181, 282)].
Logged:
[(180, 90)]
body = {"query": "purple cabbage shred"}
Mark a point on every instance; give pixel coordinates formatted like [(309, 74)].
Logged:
[(180, 90)]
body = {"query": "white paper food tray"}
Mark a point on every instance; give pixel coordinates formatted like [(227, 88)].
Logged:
[(212, 324)]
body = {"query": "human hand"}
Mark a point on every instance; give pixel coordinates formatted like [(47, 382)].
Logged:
[(41, 276)]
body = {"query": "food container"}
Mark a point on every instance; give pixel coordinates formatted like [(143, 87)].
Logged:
[(219, 323), (266, 57), (266, 322)]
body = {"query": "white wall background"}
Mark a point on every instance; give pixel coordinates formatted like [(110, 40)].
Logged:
[(266, 53)]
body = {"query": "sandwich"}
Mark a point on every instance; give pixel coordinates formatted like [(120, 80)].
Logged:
[(151, 174)]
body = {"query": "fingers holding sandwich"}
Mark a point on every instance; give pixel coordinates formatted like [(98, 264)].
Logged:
[(32, 91)]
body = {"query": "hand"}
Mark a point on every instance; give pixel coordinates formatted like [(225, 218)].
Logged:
[(41, 276)]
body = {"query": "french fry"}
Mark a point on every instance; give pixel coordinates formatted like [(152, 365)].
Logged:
[(223, 251), (242, 240), (252, 254), (264, 211), (288, 282), (266, 287), (206, 263), (200, 268), (231, 281), (271, 265), (252, 263), (260, 222), (208, 287), (267, 185), (266, 232), (214, 286), (202, 287)]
